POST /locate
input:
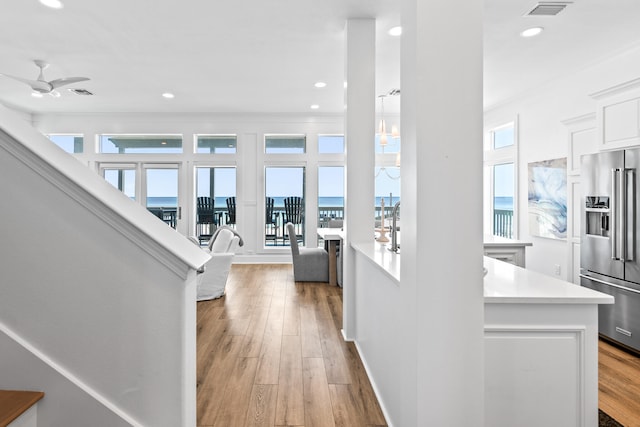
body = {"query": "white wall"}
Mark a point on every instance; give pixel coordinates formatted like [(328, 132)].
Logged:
[(542, 135)]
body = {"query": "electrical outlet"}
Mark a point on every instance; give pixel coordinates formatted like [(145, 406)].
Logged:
[(557, 269)]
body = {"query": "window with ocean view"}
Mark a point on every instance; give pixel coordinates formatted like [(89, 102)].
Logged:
[(219, 184), (387, 188), (284, 202), (500, 180), (141, 144), (330, 194), (161, 192), (70, 143)]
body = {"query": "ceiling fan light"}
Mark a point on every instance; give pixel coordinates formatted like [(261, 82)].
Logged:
[(55, 94), (36, 94)]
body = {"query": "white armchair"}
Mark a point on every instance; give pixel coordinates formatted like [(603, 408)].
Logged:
[(212, 279)]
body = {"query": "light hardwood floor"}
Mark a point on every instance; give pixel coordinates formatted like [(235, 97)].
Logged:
[(619, 384), (271, 353)]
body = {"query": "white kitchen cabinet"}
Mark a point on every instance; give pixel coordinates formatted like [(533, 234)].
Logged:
[(618, 115), (507, 250)]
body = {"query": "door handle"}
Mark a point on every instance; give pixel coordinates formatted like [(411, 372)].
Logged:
[(630, 213)]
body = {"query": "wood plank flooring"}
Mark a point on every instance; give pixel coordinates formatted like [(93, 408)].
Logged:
[(619, 384), (271, 353)]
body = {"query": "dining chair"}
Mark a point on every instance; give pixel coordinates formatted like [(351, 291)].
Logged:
[(309, 264)]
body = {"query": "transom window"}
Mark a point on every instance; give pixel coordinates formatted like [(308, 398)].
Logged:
[(69, 143), (130, 144), (218, 144), (330, 144), (285, 144)]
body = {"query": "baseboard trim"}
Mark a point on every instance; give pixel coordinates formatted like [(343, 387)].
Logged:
[(385, 413)]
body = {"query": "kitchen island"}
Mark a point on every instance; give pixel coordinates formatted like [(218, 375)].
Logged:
[(541, 341), (541, 349), (507, 250)]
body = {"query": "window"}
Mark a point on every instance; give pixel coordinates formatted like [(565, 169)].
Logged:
[(387, 188), (70, 143), (123, 178), (330, 144), (503, 191), (330, 194), (154, 186), (500, 180), (129, 144), (284, 184), (285, 144), (218, 144), (161, 191), (218, 183)]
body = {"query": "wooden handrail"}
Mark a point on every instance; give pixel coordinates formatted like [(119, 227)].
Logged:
[(14, 403)]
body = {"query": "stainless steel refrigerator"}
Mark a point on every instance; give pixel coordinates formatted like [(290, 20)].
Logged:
[(609, 247)]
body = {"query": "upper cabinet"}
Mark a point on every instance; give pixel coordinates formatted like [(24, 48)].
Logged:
[(618, 115)]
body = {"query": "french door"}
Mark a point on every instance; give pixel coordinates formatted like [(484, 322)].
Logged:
[(153, 185)]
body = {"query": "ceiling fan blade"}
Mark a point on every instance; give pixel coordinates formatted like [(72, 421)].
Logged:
[(36, 85), (66, 81)]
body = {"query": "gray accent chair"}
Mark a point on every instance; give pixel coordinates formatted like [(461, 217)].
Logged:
[(309, 264)]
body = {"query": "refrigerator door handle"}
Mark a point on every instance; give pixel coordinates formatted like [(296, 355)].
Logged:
[(622, 211), (614, 214), (630, 213)]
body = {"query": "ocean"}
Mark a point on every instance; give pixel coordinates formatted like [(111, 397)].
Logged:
[(503, 203)]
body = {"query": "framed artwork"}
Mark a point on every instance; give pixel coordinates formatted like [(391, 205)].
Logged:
[(548, 198)]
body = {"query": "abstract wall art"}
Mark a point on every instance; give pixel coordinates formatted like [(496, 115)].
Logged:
[(548, 198)]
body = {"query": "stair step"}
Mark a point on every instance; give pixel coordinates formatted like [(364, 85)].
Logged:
[(14, 403)]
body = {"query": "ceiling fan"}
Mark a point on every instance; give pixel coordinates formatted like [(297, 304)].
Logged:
[(41, 86)]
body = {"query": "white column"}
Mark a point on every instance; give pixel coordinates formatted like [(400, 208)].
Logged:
[(441, 269), (360, 156)]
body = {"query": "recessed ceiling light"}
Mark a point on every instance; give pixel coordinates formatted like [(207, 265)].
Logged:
[(395, 31), (315, 107), (168, 95), (531, 32), (320, 84), (53, 4)]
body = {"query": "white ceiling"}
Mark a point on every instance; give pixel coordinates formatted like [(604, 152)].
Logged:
[(265, 56)]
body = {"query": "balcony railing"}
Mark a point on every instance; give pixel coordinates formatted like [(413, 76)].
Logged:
[(503, 223)]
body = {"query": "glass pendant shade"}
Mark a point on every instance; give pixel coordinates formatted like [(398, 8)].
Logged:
[(382, 127), (395, 133), (383, 139)]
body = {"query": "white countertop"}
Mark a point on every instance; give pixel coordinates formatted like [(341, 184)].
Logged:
[(388, 261), (507, 284)]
